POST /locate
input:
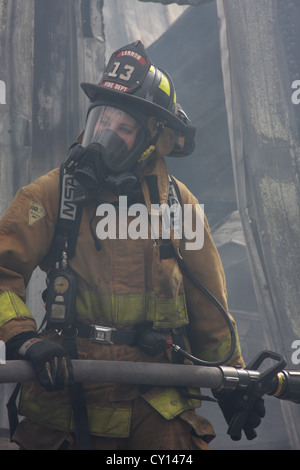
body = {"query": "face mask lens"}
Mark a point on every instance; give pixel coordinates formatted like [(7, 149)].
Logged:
[(119, 133)]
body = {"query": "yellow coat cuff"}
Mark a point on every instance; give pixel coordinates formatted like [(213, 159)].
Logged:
[(11, 306)]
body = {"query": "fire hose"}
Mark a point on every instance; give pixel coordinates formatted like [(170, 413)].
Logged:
[(275, 380)]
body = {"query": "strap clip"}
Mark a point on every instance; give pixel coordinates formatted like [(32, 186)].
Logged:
[(102, 334)]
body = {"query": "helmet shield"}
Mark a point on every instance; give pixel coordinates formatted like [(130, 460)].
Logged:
[(127, 69), (119, 133)]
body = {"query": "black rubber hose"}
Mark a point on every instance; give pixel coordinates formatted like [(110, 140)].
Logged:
[(225, 315)]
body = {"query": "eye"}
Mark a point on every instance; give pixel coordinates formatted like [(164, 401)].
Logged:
[(126, 130)]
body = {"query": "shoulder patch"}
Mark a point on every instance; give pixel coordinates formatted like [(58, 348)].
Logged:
[(36, 212)]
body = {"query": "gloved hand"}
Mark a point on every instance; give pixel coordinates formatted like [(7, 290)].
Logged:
[(50, 361), (242, 410)]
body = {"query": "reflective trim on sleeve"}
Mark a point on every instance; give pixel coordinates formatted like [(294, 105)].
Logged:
[(11, 306), (219, 351)]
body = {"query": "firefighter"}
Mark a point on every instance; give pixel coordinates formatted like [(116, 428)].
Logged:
[(113, 298)]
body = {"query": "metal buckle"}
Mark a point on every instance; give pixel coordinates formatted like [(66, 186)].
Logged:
[(102, 334)]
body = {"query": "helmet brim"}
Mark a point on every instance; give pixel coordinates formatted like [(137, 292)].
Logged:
[(115, 98)]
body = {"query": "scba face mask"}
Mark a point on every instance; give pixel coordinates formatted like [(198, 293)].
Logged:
[(119, 133), (112, 144)]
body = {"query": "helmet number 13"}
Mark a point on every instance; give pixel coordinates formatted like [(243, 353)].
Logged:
[(129, 69)]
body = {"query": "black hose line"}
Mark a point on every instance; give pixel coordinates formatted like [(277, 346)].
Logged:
[(225, 315)]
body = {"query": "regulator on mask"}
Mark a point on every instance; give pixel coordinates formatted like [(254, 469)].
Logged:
[(111, 152)]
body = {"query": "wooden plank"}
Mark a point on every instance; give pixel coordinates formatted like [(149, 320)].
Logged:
[(16, 53)]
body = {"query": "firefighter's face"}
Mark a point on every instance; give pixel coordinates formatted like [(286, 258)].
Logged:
[(120, 136), (124, 125)]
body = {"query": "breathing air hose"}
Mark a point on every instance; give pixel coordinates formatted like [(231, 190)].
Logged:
[(225, 315)]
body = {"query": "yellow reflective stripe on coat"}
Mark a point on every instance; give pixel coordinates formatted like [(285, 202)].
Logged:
[(108, 422), (169, 402), (221, 350), (131, 309), (11, 306)]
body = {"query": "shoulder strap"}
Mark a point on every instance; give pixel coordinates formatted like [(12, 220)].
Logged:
[(67, 228), (174, 192), (69, 214), (174, 197)]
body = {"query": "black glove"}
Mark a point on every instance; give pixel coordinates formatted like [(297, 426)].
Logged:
[(242, 410), (50, 361)]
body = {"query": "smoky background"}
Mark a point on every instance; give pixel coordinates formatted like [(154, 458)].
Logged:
[(232, 63)]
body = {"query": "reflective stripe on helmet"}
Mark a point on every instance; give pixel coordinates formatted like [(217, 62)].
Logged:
[(164, 84)]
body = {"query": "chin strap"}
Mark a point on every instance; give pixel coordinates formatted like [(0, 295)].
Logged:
[(149, 150)]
